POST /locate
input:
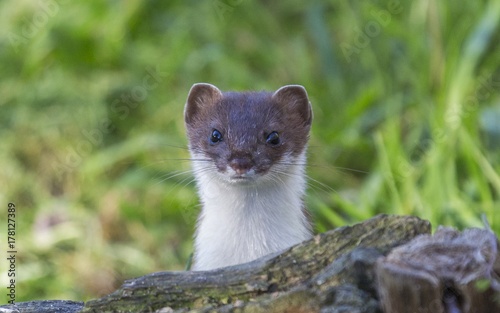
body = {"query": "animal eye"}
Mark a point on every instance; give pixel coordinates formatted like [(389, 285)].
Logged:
[(273, 139), (216, 136)]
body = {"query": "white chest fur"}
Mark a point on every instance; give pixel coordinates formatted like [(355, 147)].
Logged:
[(241, 222)]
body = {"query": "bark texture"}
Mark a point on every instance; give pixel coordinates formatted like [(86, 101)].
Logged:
[(387, 263), (447, 272), (46, 306), (333, 272)]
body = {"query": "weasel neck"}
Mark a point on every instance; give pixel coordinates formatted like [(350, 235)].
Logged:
[(242, 222)]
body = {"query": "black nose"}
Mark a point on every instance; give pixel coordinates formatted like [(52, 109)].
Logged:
[(241, 166)]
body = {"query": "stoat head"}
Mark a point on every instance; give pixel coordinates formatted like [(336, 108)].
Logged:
[(245, 136)]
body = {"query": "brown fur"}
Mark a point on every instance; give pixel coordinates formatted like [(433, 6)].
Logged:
[(245, 119)]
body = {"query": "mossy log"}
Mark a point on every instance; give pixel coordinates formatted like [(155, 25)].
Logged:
[(444, 273), (335, 269), (369, 267), (45, 306)]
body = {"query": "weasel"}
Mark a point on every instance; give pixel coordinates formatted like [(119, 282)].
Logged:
[(248, 157)]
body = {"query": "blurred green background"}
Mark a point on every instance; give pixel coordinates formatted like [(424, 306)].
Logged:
[(405, 96)]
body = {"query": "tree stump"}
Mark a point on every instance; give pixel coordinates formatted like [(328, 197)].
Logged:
[(445, 273)]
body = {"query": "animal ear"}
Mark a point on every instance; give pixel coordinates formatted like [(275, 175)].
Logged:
[(293, 99), (201, 95)]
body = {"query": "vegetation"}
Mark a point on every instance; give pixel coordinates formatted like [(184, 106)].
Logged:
[(405, 96)]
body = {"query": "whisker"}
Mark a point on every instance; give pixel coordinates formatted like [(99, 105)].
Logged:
[(187, 159), (182, 182), (324, 187), (159, 174), (278, 179), (165, 160), (328, 188), (151, 163), (178, 184), (350, 169), (177, 173), (189, 182), (178, 147), (323, 166), (187, 148), (303, 164)]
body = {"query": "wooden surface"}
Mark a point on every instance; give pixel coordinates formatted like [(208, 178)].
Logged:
[(332, 269), (348, 269), (448, 272)]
